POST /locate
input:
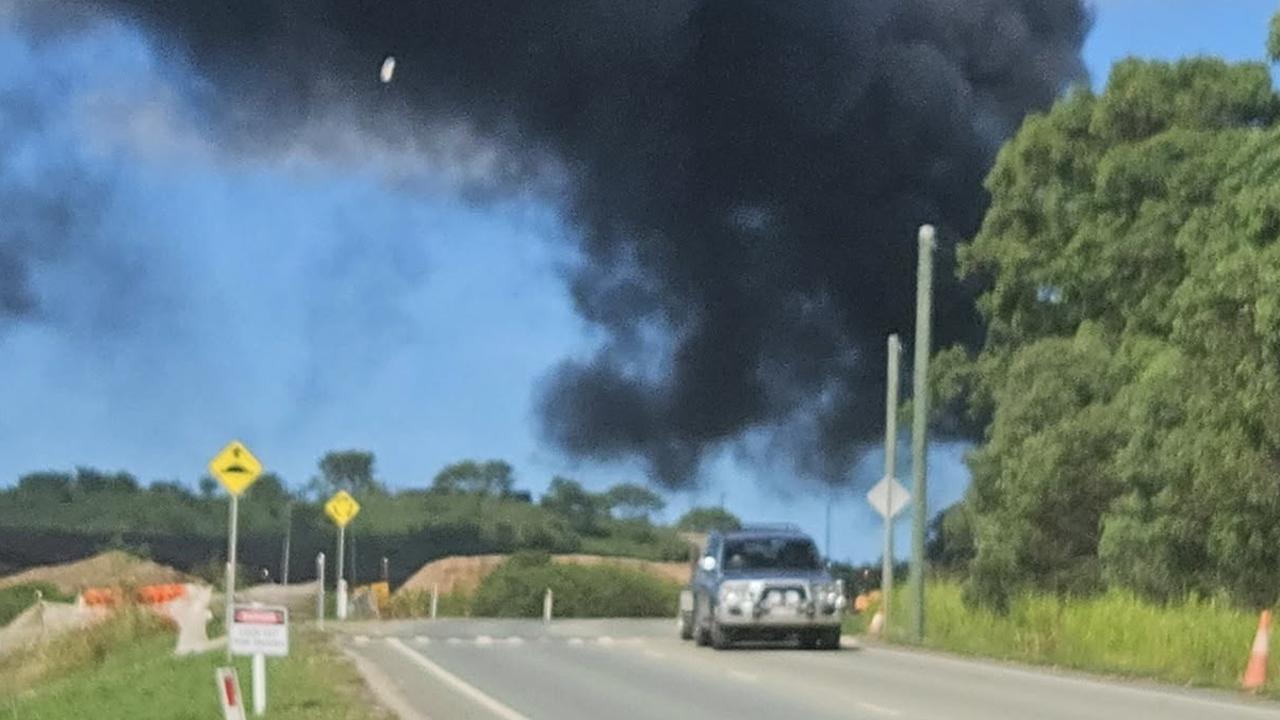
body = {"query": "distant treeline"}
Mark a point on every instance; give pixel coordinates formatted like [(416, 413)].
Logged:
[(470, 508)]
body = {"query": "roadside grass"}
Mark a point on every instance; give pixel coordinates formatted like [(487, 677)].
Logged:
[(124, 670), (1195, 642), (417, 604)]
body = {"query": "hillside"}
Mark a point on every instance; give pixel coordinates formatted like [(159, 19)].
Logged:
[(465, 574)]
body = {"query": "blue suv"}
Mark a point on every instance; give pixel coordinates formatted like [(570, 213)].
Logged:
[(762, 583)]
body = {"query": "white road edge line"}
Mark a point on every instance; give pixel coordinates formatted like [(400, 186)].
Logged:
[(456, 682), (1046, 675), (384, 688), (744, 676), (879, 709)]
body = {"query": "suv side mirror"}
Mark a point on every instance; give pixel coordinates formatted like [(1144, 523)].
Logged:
[(708, 563)]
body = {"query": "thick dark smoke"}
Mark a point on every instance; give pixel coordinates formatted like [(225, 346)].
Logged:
[(746, 176)]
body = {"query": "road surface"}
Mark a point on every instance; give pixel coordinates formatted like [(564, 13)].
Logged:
[(632, 669)]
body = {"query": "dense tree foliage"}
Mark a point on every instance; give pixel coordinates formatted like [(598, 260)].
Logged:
[(1126, 394), (493, 478), (706, 519), (56, 516)]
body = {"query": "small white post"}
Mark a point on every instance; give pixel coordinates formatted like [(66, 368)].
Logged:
[(342, 599), (546, 606), (342, 580), (320, 594), (435, 599), (259, 685)]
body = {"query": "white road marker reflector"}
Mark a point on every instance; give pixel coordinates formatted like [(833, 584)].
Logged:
[(229, 693), (513, 640), (575, 641), (457, 683), (484, 640), (604, 640), (879, 709)]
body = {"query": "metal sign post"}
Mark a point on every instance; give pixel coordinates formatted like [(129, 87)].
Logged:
[(342, 509), (342, 580), (258, 631), (236, 468)]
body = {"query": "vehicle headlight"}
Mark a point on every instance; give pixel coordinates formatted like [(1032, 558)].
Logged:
[(734, 593)]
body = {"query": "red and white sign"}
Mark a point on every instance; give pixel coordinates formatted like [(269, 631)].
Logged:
[(259, 631), (229, 694)]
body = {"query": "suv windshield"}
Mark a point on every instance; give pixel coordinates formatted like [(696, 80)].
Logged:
[(770, 553)]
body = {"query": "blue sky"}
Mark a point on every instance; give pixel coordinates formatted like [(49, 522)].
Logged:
[(305, 305)]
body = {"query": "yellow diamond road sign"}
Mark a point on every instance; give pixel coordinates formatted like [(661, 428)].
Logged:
[(235, 467), (342, 508)]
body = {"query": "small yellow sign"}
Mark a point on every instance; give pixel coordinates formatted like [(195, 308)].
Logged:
[(235, 467), (342, 508)]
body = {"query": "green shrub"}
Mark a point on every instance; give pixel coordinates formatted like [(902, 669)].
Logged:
[(516, 589), (17, 598)]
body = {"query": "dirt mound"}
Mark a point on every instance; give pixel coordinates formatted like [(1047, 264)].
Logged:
[(465, 573), (108, 569)]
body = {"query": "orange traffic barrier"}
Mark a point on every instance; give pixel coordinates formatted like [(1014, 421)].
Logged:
[(1255, 673), (160, 594), (101, 597)]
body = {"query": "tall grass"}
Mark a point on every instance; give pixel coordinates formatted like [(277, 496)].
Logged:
[(417, 604), (79, 651), (1192, 642)]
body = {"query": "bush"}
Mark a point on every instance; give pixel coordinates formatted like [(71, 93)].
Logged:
[(516, 589), (17, 598)]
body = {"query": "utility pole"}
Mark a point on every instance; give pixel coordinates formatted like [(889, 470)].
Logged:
[(919, 424), (827, 547), (890, 472), (288, 533)]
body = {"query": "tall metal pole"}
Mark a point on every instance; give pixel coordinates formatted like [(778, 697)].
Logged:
[(288, 533), (233, 521), (919, 424), (890, 472), (827, 548)]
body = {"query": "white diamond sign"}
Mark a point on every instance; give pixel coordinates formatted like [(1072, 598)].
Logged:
[(888, 497)]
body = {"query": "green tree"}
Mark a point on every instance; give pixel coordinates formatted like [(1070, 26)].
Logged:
[(706, 519), (584, 510), (1126, 390), (633, 501), (492, 478), (350, 470)]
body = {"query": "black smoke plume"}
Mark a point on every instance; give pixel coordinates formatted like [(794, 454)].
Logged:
[(746, 177)]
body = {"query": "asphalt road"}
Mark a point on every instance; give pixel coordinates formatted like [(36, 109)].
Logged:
[(628, 669)]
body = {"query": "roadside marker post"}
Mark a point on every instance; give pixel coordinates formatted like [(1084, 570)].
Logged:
[(546, 606), (320, 593), (236, 469), (342, 509), (229, 693), (435, 599)]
